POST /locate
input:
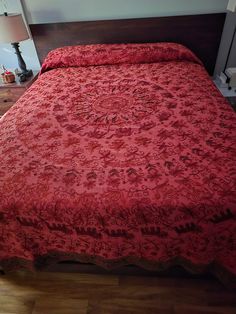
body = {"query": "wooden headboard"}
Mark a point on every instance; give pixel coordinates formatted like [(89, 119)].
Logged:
[(200, 33)]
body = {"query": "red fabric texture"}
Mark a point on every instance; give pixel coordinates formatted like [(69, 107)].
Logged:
[(86, 55), (122, 163)]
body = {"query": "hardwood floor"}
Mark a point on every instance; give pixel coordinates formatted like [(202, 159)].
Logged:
[(70, 293)]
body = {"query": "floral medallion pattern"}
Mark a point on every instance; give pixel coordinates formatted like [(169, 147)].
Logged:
[(119, 160)]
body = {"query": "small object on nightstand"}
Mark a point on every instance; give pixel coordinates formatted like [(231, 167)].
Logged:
[(10, 93), (222, 86), (221, 80), (7, 76), (231, 74)]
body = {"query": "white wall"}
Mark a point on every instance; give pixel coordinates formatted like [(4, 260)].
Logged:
[(46, 11), (231, 5), (226, 40)]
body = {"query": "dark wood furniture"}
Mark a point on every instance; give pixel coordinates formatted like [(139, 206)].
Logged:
[(10, 93), (201, 33)]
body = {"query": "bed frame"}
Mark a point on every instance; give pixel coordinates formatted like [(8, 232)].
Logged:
[(201, 33)]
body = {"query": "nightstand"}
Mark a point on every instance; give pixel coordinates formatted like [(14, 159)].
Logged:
[(10, 93), (229, 94)]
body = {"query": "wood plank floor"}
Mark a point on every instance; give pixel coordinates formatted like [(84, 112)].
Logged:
[(70, 293)]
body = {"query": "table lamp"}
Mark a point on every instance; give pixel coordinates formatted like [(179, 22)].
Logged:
[(13, 30)]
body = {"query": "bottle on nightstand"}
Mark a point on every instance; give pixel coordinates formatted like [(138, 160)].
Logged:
[(231, 77)]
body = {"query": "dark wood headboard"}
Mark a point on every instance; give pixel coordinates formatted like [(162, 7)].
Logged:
[(200, 33)]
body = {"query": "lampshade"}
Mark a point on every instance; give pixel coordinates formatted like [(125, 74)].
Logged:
[(12, 29)]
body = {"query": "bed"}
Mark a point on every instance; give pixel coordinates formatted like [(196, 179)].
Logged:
[(119, 154)]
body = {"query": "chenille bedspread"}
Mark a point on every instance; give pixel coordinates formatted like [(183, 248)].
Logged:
[(119, 154)]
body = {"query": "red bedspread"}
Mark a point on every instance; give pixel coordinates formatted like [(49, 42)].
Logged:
[(119, 154)]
